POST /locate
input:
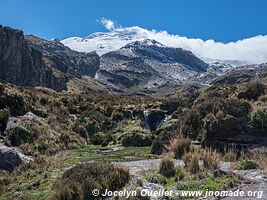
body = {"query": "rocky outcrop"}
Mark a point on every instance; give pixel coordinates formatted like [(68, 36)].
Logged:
[(64, 59), (37, 62), (242, 74), (147, 64), (10, 158)]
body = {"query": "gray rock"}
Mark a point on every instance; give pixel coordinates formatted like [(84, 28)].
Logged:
[(31, 61), (10, 158)]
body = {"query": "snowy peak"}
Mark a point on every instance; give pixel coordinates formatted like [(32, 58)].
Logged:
[(103, 42), (148, 63), (145, 42)]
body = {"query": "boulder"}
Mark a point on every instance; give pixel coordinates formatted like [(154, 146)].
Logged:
[(10, 158)]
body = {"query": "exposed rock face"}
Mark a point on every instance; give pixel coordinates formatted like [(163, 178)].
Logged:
[(148, 64), (11, 158), (37, 62), (64, 59), (20, 64), (243, 74)]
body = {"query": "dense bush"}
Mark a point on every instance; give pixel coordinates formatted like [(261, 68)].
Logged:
[(4, 115), (252, 91), (157, 146), (137, 139), (167, 167), (79, 182), (191, 123), (259, 119), (92, 127), (14, 102), (20, 135), (100, 138), (81, 131)]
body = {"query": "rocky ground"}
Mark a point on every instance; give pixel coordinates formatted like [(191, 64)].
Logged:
[(253, 180)]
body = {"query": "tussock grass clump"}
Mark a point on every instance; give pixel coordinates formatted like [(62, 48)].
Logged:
[(259, 155), (79, 181), (180, 146), (180, 173), (211, 159), (167, 167), (191, 161), (230, 155)]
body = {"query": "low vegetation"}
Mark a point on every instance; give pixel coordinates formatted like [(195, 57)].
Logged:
[(191, 161), (79, 181), (167, 167), (246, 165), (66, 129), (180, 146), (211, 159)]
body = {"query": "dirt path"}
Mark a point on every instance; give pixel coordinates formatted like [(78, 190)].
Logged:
[(136, 167), (255, 180)]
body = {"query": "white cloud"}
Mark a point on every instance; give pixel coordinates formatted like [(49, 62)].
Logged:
[(250, 50), (107, 23)]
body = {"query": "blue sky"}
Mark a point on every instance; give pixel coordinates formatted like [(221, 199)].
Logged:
[(221, 20)]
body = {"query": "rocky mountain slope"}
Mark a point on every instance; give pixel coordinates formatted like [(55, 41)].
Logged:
[(32, 61), (148, 63), (140, 67), (243, 74)]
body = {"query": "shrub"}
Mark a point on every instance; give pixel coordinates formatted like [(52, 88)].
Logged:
[(79, 181), (136, 139), (246, 165), (157, 146), (98, 138), (252, 91), (65, 139), (211, 159), (191, 161), (259, 119), (167, 167), (4, 115), (15, 103), (2, 89), (191, 123), (180, 146), (117, 116), (92, 127), (81, 131), (236, 107), (19, 135), (208, 132), (153, 178)]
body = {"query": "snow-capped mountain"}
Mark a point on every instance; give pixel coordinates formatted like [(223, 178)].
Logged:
[(148, 63), (247, 51), (103, 42)]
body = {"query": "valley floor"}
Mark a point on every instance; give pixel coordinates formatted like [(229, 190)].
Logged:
[(37, 182)]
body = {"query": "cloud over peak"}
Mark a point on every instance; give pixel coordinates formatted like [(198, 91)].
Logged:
[(107, 23), (250, 50)]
